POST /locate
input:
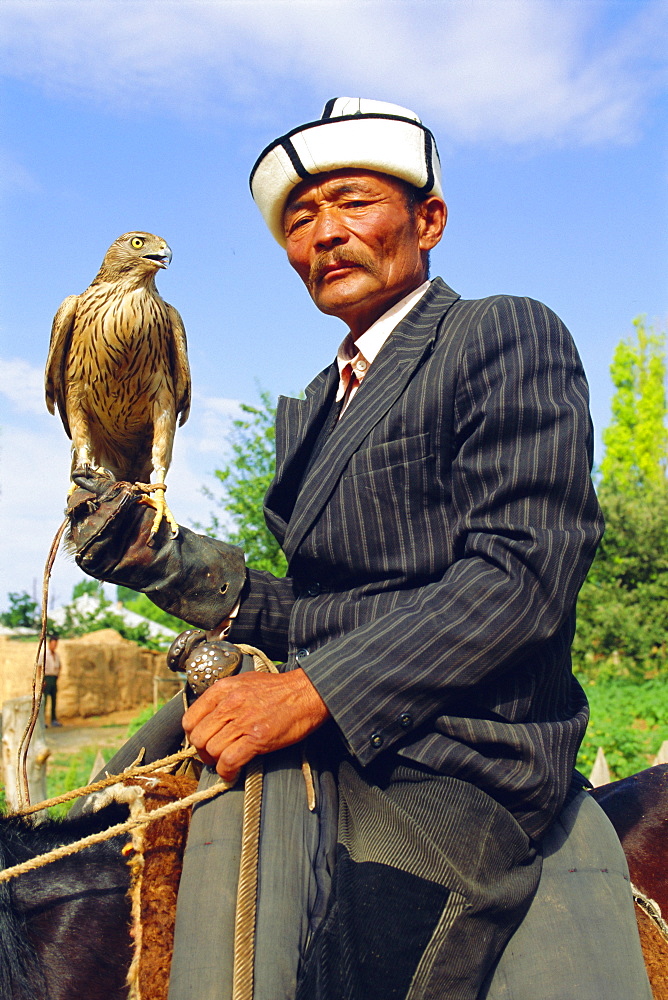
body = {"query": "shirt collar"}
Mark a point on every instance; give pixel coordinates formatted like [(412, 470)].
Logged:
[(371, 341)]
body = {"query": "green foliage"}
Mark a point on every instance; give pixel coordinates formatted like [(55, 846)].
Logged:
[(630, 722), (244, 481), (143, 717), (623, 606), (88, 586), (66, 772), (636, 441), (144, 606), (23, 611)]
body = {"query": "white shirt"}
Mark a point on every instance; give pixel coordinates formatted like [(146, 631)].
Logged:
[(52, 663), (355, 357)]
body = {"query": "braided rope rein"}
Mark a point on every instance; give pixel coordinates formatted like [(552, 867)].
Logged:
[(246, 908), (133, 771), (245, 917), (141, 819)]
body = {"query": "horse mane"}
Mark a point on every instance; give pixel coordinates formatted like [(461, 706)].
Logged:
[(21, 973)]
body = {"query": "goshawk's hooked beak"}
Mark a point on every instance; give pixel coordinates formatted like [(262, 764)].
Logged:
[(161, 259)]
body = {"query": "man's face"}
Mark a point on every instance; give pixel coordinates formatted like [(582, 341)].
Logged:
[(357, 245)]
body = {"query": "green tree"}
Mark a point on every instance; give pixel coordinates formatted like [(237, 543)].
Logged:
[(636, 441), (623, 606), (23, 611), (245, 480), (94, 588), (622, 628)]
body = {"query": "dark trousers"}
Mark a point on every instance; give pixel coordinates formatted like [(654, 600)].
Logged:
[(432, 877), (50, 692)]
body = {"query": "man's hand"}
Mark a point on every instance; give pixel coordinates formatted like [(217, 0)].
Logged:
[(239, 717)]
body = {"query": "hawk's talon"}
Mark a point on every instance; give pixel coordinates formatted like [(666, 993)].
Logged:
[(160, 506)]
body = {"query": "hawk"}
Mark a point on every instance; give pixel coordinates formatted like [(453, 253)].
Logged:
[(118, 369)]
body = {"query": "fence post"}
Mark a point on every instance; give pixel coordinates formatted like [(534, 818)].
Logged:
[(600, 772), (15, 718)]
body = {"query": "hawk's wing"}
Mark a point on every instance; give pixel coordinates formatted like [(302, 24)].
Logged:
[(61, 331), (181, 369)]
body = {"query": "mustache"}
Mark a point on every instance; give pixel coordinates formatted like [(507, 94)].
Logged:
[(339, 255)]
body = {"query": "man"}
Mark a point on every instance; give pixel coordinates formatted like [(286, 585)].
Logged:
[(51, 672), (433, 498)]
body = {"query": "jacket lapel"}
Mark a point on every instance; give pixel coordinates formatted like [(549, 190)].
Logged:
[(298, 424), (404, 351)]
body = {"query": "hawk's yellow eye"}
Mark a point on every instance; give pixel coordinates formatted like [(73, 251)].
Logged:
[(136, 242)]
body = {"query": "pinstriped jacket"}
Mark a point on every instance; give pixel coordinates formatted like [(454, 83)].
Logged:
[(437, 536)]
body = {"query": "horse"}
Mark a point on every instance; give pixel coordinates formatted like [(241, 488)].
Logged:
[(638, 809), (65, 928)]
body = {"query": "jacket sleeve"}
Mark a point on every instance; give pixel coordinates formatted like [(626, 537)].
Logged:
[(526, 524), (263, 618)]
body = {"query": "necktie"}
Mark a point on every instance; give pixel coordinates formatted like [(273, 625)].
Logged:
[(353, 372)]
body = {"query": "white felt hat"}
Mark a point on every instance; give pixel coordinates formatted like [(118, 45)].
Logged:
[(352, 132)]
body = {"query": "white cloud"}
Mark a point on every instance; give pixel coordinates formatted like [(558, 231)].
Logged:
[(509, 70), (215, 418), (23, 385), (34, 472)]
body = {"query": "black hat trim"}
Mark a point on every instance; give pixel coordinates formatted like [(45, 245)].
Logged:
[(329, 107), (285, 142), (428, 148), (300, 169)]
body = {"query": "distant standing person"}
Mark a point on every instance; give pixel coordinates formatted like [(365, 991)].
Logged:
[(51, 672)]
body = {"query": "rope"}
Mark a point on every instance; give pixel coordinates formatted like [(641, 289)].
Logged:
[(140, 819), (261, 661), (246, 909), (111, 779), (23, 787)]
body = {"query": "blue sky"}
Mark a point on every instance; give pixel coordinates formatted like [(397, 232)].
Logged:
[(550, 117)]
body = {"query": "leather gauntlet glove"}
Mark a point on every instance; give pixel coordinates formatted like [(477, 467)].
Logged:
[(192, 576)]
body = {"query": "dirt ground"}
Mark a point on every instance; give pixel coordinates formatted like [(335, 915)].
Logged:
[(106, 732)]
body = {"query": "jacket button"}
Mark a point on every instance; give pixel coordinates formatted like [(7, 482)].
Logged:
[(302, 652), (376, 740), (313, 589), (405, 721)]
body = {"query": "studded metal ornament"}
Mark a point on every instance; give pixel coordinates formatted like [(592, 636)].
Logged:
[(182, 646), (203, 661)]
